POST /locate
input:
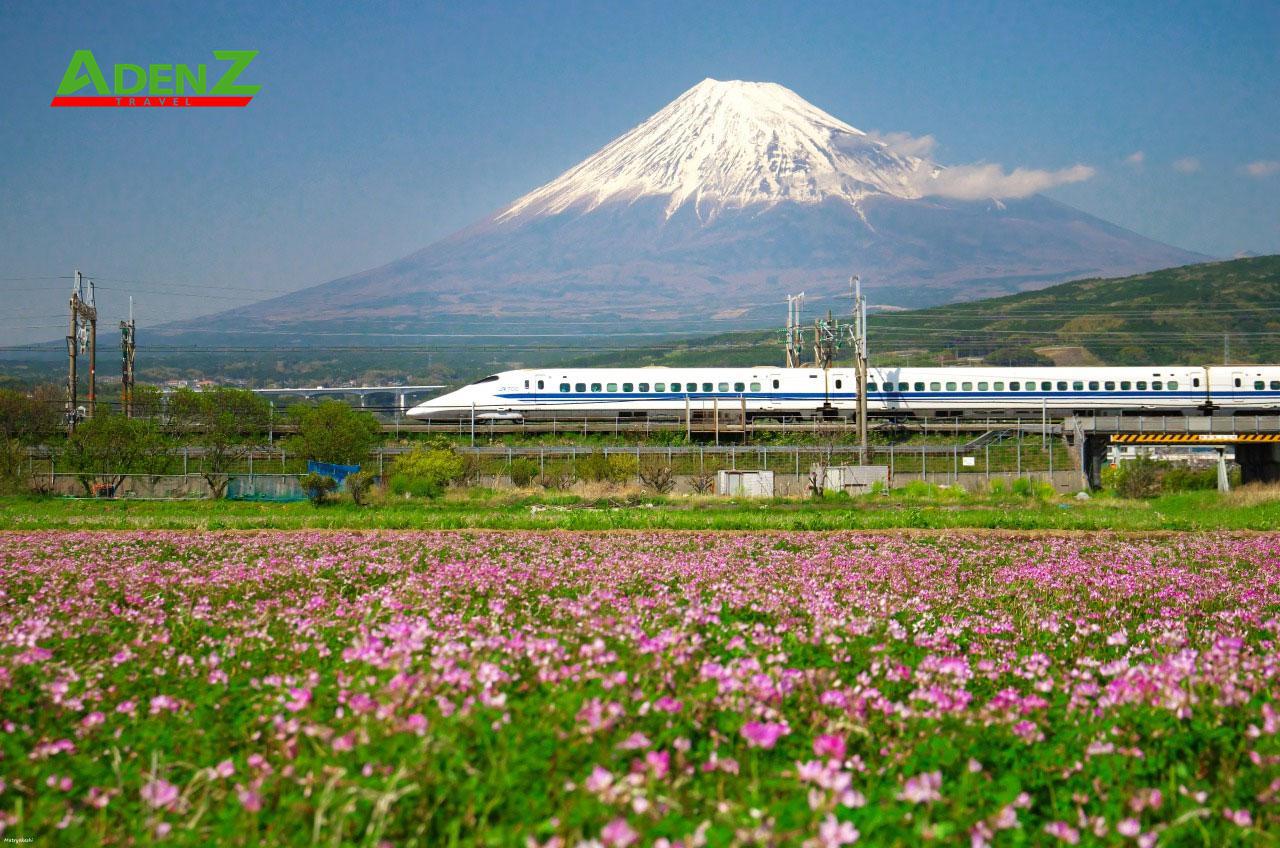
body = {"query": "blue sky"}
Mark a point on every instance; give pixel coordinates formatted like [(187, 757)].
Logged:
[(380, 128)]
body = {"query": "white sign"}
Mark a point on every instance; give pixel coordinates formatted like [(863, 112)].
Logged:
[(968, 461)]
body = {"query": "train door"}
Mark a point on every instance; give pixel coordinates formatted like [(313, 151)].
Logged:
[(1237, 384), (541, 386), (773, 390)]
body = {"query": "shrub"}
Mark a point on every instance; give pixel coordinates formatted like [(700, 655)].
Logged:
[(703, 482), (317, 487), (658, 476), (1137, 478), (426, 471), (522, 471), (358, 485), (600, 467), (560, 480)]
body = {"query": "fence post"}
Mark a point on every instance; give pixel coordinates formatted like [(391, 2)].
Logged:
[(1018, 466), (184, 462), (733, 458)]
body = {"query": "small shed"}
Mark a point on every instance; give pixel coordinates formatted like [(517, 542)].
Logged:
[(745, 484), (855, 479)]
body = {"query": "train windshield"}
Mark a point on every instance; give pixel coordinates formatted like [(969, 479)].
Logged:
[(488, 379)]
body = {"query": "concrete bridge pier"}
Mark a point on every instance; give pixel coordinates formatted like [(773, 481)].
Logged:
[(1259, 463), (1093, 454)]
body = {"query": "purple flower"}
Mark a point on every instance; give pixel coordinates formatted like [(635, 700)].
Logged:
[(764, 734)]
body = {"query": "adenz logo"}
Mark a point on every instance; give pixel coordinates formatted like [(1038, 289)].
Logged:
[(156, 85)]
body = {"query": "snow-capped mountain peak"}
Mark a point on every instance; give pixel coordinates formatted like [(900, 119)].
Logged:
[(728, 145)]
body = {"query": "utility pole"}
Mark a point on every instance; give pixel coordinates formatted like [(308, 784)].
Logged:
[(128, 345), (82, 335), (794, 356), (860, 362)]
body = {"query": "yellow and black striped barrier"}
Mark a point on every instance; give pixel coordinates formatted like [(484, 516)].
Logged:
[(1193, 438)]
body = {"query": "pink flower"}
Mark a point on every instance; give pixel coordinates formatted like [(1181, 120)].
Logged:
[(1063, 832), (1242, 818), (764, 734), (249, 799), (1128, 827), (299, 699), (922, 789), (93, 719), (160, 793), (599, 780), (618, 834), (345, 742), (667, 704), (829, 745), (659, 762), (833, 833), (224, 769)]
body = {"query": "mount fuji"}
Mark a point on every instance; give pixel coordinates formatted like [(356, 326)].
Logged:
[(712, 210)]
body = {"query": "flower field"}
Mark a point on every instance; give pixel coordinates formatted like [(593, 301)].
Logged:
[(629, 689)]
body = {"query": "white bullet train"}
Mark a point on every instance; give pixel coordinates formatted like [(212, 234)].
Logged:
[(905, 392)]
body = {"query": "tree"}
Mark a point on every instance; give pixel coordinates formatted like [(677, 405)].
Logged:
[(224, 423), (148, 402), (317, 487), (30, 417), (108, 446), (331, 431)]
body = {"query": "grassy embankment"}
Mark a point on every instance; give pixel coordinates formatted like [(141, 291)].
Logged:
[(1247, 509)]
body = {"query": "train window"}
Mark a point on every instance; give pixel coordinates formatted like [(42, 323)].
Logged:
[(935, 387), (1141, 385), (951, 387), (564, 387), (871, 387), (919, 387), (982, 387), (1195, 381), (755, 387), (1275, 384), (1237, 382), (1258, 384), (595, 387), (1093, 385), (966, 387), (613, 387), (904, 387), (1125, 385), (1173, 385), (706, 387), (542, 384), (1109, 385), (739, 387), (628, 387), (1077, 386), (488, 379), (775, 384), (659, 387), (724, 387), (998, 384), (526, 384), (1157, 385), (644, 387), (1062, 385), (1015, 386), (580, 387)]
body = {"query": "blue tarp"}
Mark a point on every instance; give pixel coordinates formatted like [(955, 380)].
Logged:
[(328, 469)]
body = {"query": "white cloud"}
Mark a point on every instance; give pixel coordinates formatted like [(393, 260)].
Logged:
[(1186, 165), (906, 143), (983, 181), (1262, 168), (1135, 159)]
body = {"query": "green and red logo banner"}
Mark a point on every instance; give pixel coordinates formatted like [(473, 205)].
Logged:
[(154, 86)]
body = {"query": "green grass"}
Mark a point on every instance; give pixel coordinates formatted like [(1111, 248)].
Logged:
[(482, 509)]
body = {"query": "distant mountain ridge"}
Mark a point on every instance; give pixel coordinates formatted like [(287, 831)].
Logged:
[(1176, 315), (715, 208)]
